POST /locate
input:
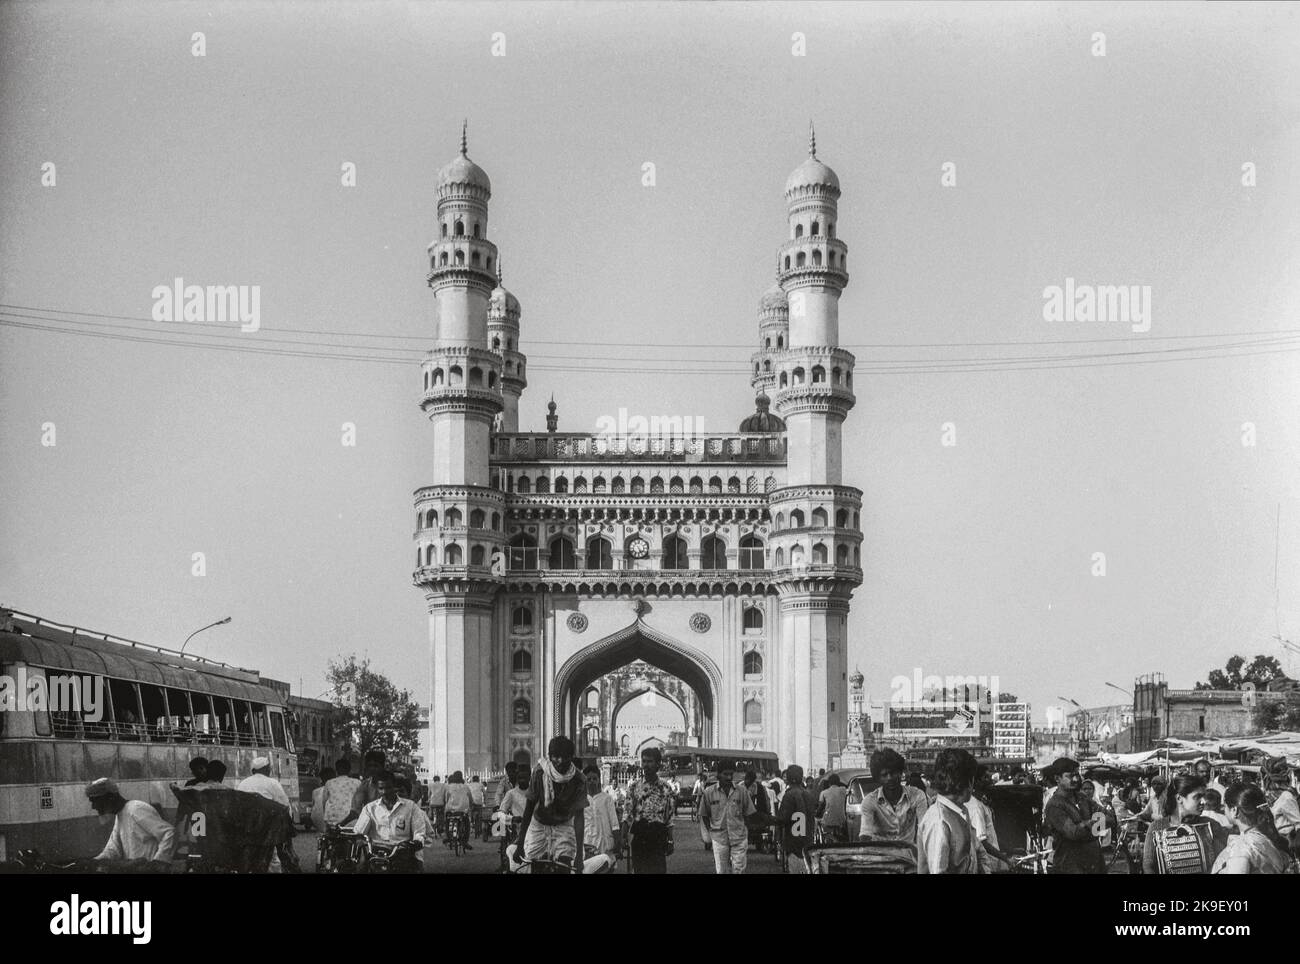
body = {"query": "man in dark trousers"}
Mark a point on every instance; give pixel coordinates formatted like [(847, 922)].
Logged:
[(648, 815), (1068, 818), (794, 820), (761, 804)]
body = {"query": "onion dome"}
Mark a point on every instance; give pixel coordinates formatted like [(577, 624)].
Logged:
[(773, 299), (856, 679), (462, 172), (762, 420), (502, 302), (812, 172)]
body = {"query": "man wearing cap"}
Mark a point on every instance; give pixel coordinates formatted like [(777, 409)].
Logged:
[(138, 832), (1075, 847), (264, 785)]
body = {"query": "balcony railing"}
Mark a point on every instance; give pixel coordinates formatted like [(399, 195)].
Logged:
[(543, 447)]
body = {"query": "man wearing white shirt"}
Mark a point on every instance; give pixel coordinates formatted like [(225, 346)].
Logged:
[(946, 842), (992, 859), (339, 791), (395, 820), (601, 829), (263, 784), (138, 832)]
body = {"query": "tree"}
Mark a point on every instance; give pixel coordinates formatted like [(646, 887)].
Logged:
[(1277, 714), (1261, 670), (373, 713)]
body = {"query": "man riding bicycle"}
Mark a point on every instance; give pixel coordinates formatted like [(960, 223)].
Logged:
[(395, 820), (459, 805), (553, 820)]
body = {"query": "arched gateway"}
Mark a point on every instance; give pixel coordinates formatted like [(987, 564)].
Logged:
[(725, 559), (637, 641)]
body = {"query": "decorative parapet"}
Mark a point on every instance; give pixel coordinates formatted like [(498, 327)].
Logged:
[(547, 447)]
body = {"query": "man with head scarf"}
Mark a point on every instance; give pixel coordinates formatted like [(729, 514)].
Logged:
[(553, 821)]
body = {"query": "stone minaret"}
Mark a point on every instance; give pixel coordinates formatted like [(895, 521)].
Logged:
[(816, 542), (459, 516)]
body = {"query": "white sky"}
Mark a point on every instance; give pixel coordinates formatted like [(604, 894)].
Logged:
[(225, 170)]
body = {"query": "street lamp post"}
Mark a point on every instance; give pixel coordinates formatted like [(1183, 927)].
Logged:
[(219, 622)]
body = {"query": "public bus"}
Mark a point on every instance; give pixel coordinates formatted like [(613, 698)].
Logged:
[(140, 714), (685, 763)]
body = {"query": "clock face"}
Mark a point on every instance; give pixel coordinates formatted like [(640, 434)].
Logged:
[(639, 548)]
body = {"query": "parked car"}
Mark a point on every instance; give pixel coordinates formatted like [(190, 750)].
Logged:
[(859, 783)]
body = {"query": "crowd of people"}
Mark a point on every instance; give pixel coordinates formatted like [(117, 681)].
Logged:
[(1197, 820)]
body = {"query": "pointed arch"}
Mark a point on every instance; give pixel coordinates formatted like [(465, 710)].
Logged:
[(636, 641)]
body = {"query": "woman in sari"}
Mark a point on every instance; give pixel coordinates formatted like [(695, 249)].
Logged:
[(1257, 848)]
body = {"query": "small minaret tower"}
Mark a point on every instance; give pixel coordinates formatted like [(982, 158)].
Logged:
[(503, 337), (816, 544), (773, 334), (459, 516), (552, 420)]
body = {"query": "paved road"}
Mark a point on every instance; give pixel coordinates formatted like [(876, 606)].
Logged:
[(689, 857)]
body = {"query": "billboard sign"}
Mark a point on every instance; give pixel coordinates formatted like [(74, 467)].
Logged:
[(929, 721)]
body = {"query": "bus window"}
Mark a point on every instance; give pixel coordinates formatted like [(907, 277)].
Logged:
[(243, 723), (125, 704), (206, 726), (226, 732), (261, 734), (38, 696), (180, 719), (277, 730), (155, 711)]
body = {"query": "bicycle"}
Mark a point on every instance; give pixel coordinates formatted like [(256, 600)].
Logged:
[(339, 851), (457, 832)]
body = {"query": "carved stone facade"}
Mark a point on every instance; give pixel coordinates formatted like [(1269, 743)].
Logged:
[(720, 567)]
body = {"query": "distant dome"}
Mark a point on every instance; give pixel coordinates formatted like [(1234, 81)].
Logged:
[(773, 299), (856, 679), (461, 171), (762, 420), (502, 302), (812, 173)]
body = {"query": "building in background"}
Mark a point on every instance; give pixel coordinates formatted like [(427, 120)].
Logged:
[(1055, 717), (313, 732), (1160, 712), (549, 560), (1099, 728), (1012, 730)]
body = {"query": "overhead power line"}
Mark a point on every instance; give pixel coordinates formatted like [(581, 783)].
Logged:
[(742, 346), (260, 343)]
